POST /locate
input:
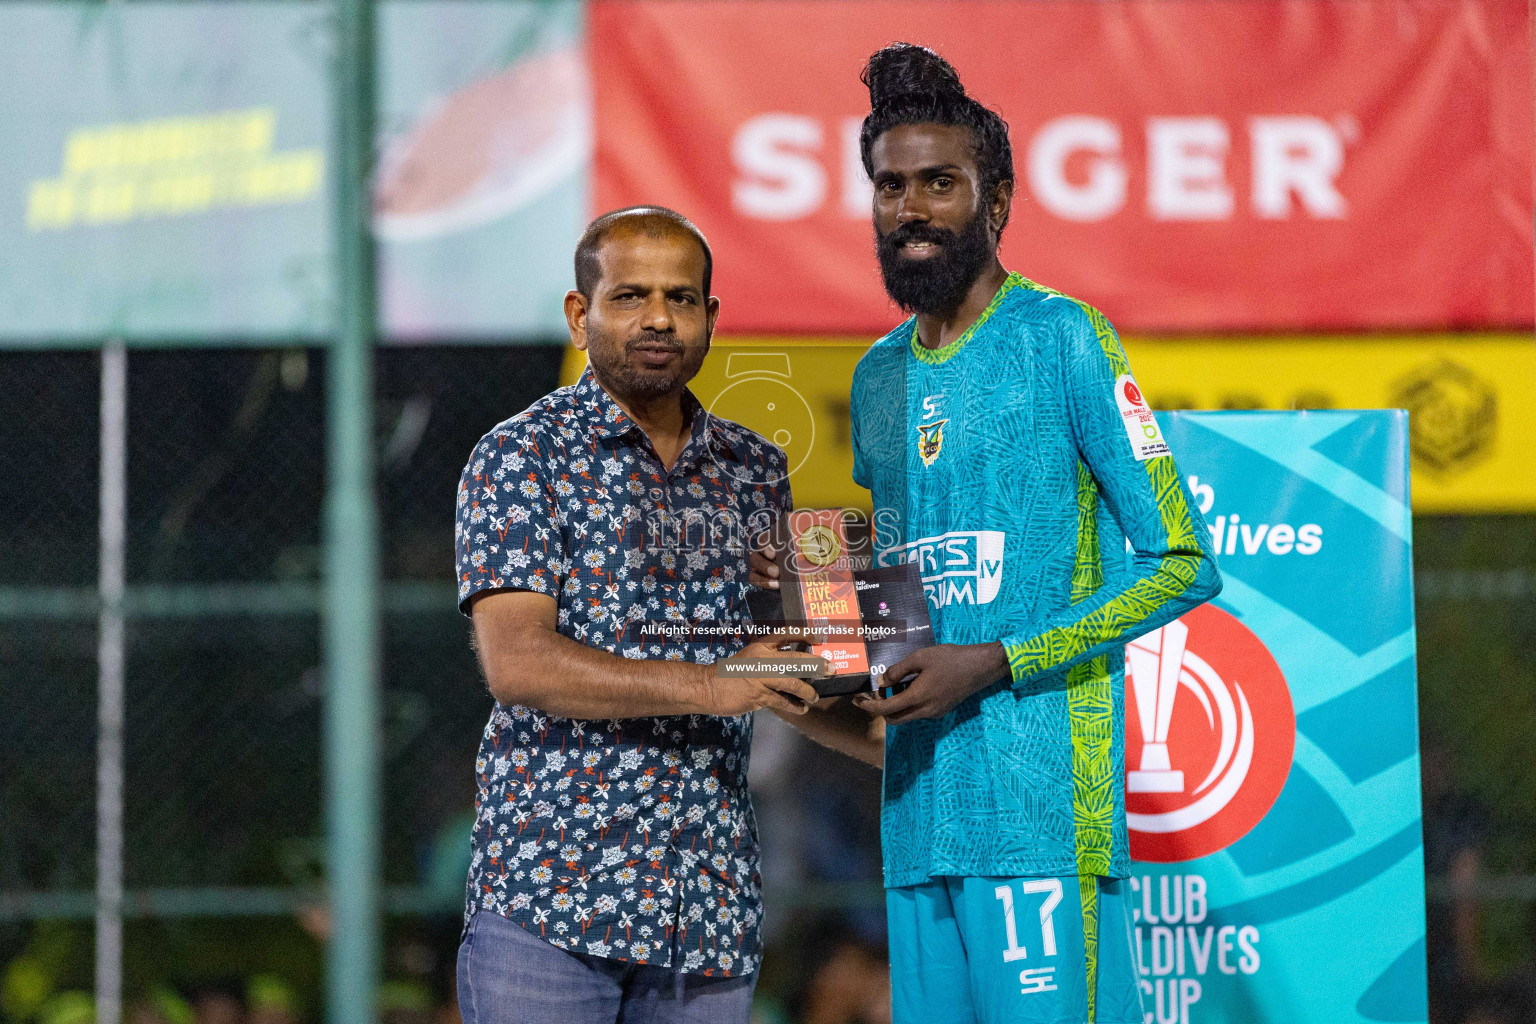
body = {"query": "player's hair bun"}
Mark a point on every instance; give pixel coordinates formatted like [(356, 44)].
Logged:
[(903, 69)]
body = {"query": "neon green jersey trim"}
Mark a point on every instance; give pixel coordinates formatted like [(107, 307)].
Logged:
[(1088, 893), (1089, 710), (1091, 714), (939, 355), (1087, 570)]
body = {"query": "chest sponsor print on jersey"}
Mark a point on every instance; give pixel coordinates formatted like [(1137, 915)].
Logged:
[(930, 441), (1140, 425), (963, 567)]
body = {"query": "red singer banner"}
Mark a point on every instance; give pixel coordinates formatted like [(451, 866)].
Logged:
[(1186, 165)]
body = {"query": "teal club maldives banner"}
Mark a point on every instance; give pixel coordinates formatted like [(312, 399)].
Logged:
[(1272, 787)]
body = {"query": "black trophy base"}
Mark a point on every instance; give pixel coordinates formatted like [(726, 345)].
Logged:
[(890, 595)]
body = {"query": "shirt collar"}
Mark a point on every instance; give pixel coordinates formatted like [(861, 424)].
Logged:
[(607, 419)]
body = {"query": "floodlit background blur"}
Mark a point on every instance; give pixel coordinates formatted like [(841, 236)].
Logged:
[(1344, 221)]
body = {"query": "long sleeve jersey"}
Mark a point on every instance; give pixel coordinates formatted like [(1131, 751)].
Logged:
[(1020, 467)]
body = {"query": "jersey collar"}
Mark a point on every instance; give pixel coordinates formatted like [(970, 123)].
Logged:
[(939, 355)]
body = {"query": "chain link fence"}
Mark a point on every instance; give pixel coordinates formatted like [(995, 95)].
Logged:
[(223, 841)]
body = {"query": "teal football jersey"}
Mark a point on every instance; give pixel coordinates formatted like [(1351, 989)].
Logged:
[(1020, 468)]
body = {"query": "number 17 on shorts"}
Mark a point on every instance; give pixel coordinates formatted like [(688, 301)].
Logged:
[(1032, 979)]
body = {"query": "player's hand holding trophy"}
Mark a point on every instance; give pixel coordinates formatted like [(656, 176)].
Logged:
[(869, 616)]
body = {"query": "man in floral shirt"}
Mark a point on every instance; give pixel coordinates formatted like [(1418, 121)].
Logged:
[(601, 539)]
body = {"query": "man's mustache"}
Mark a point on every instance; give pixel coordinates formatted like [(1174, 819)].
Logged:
[(654, 339), (917, 232)]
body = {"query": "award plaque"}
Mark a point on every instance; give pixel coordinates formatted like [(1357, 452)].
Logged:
[(873, 616)]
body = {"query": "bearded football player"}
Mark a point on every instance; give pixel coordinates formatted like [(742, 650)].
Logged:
[(1008, 452)]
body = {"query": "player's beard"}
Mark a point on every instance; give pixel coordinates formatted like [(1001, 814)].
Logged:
[(937, 285)]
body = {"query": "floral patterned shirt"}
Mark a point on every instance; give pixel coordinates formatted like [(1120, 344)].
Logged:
[(631, 839)]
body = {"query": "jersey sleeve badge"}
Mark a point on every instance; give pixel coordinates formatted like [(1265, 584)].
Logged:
[(1140, 425)]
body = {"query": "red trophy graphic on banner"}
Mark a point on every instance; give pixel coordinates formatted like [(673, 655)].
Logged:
[(1209, 735)]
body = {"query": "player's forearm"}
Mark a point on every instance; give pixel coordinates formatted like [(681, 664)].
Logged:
[(1157, 589), (843, 728), (559, 676)]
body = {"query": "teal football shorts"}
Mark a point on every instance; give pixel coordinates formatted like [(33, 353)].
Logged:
[(1052, 950)]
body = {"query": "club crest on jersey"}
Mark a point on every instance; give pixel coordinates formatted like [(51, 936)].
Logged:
[(930, 440)]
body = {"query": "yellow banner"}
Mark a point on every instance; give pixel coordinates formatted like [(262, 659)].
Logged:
[(1467, 399)]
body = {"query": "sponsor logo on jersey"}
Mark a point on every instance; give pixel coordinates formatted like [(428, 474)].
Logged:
[(930, 441), (1140, 425), (957, 568), (1210, 731)]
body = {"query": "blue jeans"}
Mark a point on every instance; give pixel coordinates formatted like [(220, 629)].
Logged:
[(510, 976)]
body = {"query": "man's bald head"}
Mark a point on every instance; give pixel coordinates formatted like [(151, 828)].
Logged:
[(651, 221)]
